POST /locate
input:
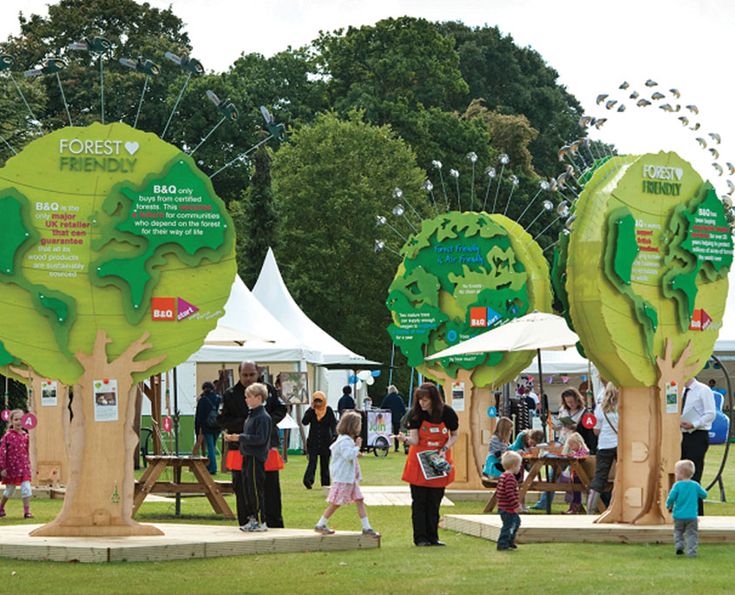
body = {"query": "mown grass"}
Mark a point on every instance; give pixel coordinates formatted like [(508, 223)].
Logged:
[(467, 565)]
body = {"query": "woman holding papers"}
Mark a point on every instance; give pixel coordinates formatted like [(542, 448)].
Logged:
[(432, 430)]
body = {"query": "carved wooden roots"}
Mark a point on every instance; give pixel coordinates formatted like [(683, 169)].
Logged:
[(649, 444), (99, 497)]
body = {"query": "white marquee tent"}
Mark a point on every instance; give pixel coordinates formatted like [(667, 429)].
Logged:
[(272, 292)]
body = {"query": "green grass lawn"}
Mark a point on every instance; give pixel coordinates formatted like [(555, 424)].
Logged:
[(467, 565)]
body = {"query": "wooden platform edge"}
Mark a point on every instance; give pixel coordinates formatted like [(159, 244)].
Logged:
[(156, 549), (547, 529)]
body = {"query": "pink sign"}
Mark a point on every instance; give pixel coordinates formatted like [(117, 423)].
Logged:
[(29, 421), (589, 420), (167, 423), (5, 414)]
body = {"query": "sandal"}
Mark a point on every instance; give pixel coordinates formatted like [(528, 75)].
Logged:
[(371, 532)]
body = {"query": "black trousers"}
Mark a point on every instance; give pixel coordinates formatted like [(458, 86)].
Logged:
[(694, 447), (310, 473), (273, 514), (253, 484), (425, 504), (396, 429), (237, 486)]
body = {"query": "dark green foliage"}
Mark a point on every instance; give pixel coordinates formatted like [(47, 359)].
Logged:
[(15, 396), (255, 220), (514, 80), (331, 181)]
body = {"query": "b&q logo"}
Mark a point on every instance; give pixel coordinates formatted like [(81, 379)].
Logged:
[(163, 308), (700, 320), (483, 317)]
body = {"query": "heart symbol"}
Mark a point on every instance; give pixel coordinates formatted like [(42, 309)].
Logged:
[(679, 173), (131, 147)]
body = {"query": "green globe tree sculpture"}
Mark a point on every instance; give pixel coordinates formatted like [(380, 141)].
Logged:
[(463, 273), (646, 283), (116, 260)]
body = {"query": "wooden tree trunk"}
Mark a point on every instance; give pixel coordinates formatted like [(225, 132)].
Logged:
[(99, 496), (649, 444), (468, 453), (48, 452)]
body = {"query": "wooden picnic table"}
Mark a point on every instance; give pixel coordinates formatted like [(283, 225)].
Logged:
[(533, 481), (149, 484)]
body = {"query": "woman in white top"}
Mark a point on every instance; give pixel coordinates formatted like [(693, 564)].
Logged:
[(607, 445), (571, 410)]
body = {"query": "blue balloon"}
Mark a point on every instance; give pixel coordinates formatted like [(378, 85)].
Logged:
[(352, 379), (583, 377), (375, 373), (492, 411)]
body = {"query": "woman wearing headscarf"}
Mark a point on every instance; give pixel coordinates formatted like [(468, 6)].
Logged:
[(322, 431)]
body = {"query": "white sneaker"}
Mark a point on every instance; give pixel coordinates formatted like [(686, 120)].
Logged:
[(250, 525), (259, 528)]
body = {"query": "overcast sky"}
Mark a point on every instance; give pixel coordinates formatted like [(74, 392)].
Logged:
[(594, 45)]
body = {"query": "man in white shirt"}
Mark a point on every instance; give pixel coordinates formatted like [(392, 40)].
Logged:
[(697, 414)]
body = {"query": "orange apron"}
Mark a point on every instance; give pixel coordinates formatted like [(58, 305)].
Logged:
[(431, 437)]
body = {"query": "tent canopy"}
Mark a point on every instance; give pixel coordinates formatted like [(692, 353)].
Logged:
[(559, 362), (272, 292)]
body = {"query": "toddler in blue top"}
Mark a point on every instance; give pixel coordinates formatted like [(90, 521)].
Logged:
[(683, 501)]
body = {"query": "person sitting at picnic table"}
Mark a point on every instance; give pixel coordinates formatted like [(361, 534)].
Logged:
[(527, 440), (576, 448), (499, 443), (566, 422)]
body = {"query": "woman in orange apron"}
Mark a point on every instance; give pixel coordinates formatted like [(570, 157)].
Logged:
[(432, 427)]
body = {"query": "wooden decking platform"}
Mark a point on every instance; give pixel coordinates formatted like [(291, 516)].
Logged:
[(179, 542), (541, 528)]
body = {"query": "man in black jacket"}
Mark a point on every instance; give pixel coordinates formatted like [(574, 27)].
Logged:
[(232, 418), (345, 401)]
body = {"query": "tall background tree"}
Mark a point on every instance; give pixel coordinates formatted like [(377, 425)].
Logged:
[(331, 181)]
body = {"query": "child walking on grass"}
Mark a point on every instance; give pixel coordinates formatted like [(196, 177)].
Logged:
[(15, 463), (508, 504), (345, 472), (683, 501)]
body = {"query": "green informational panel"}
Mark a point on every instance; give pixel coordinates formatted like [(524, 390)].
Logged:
[(461, 275), (647, 260), (109, 228)]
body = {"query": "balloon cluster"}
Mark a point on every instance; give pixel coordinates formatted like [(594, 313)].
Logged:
[(363, 377)]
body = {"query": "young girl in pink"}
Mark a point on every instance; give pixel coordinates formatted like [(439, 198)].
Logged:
[(573, 447), (15, 463), (345, 472)]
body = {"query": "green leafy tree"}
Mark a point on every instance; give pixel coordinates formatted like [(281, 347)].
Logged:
[(330, 182), (132, 29), (255, 220), (404, 60), (513, 80)]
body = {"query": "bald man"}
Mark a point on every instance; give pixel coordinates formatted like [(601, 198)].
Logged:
[(232, 418)]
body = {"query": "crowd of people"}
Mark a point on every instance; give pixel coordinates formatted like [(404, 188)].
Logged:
[(247, 414)]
